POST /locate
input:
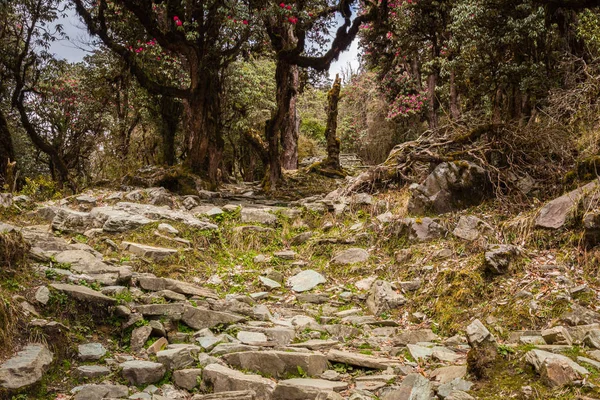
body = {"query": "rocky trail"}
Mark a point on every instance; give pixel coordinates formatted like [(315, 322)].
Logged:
[(144, 294)]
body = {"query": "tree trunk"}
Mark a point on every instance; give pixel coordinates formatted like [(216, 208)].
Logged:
[(433, 102), (57, 163), (274, 127), (333, 143), (170, 112), (7, 152), (454, 108), (204, 140), (289, 128)]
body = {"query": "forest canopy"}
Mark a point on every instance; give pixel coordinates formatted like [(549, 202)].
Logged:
[(237, 90)]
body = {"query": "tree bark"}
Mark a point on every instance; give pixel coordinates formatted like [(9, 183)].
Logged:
[(454, 108), (170, 112), (433, 102), (333, 143), (204, 140), (289, 128), (7, 152)]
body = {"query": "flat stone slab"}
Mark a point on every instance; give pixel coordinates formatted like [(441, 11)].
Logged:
[(558, 212), (200, 318), (306, 280), (278, 363), (142, 372), (537, 358), (223, 379), (158, 284), (104, 391), (360, 360), (92, 371), (84, 293), (91, 351), (269, 283), (251, 337), (26, 368), (305, 389), (315, 344), (173, 309), (351, 256), (256, 215), (144, 250)]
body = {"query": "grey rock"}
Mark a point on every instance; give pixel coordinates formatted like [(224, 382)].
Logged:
[(92, 371), (42, 295), (159, 284), (139, 336), (91, 351), (538, 357), (558, 212), (351, 256), (142, 372), (383, 297), (360, 360), (557, 335), (223, 379), (26, 367), (251, 337), (414, 336), (103, 391), (306, 280), (580, 316), (302, 238), (592, 339), (167, 228), (470, 228), (421, 229), (178, 356), (200, 318), (67, 220), (187, 378), (269, 283), (234, 395), (285, 254), (459, 395), (258, 216), (278, 363), (498, 258), (451, 186), (144, 250), (448, 374), (83, 293), (413, 387), (305, 389), (457, 384)]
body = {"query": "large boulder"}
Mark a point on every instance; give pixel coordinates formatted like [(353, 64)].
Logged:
[(560, 211), (26, 368), (451, 186)]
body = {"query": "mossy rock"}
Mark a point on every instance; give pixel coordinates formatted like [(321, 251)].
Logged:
[(175, 179)]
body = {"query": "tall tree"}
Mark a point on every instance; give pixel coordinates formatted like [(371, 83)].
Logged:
[(24, 54), (203, 36)]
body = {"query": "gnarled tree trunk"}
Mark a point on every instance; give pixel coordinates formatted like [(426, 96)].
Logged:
[(7, 152), (170, 112), (333, 143), (289, 128), (204, 139)]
